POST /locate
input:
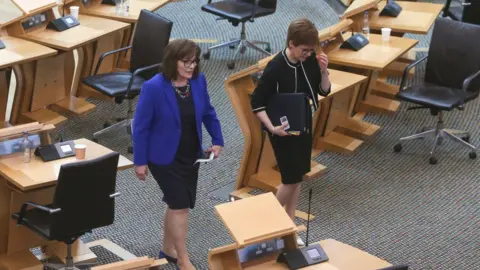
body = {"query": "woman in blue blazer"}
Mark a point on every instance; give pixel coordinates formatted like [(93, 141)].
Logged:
[(167, 138)]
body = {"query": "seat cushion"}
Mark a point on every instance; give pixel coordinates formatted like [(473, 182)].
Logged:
[(434, 96), (236, 10), (115, 84), (36, 220)]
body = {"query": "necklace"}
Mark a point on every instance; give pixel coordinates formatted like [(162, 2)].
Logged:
[(183, 94)]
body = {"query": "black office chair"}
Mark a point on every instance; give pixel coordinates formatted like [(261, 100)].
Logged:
[(452, 78), (152, 34), (466, 11), (83, 201), (236, 12)]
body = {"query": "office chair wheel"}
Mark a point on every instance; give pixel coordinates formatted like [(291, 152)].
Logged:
[(268, 49), (231, 64), (433, 160), (472, 155), (130, 149), (466, 139), (397, 148), (206, 55), (106, 125)]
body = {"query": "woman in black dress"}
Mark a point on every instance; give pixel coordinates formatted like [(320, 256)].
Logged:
[(167, 136), (297, 69)]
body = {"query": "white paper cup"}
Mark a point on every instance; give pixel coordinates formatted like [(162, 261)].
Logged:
[(74, 11), (80, 151), (386, 34)]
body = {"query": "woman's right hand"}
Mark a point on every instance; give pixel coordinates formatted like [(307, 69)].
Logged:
[(280, 130), (141, 172)]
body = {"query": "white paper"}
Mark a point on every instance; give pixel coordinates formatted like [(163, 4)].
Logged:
[(210, 158)]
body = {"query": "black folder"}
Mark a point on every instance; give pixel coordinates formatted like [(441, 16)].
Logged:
[(295, 106)]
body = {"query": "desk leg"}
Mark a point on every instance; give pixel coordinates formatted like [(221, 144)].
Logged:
[(368, 102), (80, 252), (5, 193), (340, 132), (4, 87)]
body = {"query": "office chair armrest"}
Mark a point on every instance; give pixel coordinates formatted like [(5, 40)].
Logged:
[(113, 195), (23, 210), (254, 10), (468, 80), (138, 71), (107, 54), (407, 69)]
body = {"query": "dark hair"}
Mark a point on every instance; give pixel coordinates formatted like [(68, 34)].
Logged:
[(302, 32), (176, 50)]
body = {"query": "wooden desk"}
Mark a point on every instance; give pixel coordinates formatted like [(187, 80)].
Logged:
[(261, 218), (370, 60), (415, 17), (52, 83), (17, 51), (108, 12), (21, 182)]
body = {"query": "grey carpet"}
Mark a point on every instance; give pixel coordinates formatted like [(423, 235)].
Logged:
[(395, 206)]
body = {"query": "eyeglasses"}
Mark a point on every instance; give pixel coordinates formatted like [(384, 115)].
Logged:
[(307, 51), (188, 63)]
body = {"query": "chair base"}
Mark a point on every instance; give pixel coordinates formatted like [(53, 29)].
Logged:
[(124, 123), (69, 263), (241, 45), (459, 136)]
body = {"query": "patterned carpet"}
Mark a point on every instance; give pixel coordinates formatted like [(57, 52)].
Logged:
[(395, 206)]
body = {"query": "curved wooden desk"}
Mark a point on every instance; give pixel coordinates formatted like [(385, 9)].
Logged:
[(51, 84), (35, 181), (333, 127)]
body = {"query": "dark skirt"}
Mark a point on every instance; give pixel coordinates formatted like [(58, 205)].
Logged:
[(293, 154), (178, 182)]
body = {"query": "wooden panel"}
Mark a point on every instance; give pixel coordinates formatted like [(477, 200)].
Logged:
[(9, 12), (4, 215), (34, 6), (49, 84), (81, 253), (224, 258), (379, 105), (20, 237), (23, 260), (359, 6), (45, 116), (15, 130), (265, 215), (18, 51), (73, 106)]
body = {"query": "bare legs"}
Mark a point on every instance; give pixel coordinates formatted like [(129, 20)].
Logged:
[(175, 236), (287, 195)]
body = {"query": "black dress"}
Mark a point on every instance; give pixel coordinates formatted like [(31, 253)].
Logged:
[(293, 153), (178, 181)]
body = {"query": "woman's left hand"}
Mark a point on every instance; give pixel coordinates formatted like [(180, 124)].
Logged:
[(322, 59), (216, 149)]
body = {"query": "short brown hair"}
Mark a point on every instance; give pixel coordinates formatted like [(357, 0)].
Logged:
[(302, 32), (176, 50)]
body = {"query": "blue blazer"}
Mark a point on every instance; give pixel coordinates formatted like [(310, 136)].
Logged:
[(157, 126)]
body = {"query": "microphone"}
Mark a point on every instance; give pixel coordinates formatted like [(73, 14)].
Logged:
[(305, 256), (308, 214)]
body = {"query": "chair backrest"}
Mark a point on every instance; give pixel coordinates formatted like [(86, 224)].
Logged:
[(471, 12), (264, 3), (152, 34), (454, 54), (83, 194)]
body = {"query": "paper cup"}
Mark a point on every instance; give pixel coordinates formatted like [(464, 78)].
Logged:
[(74, 11), (80, 151), (386, 34)]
